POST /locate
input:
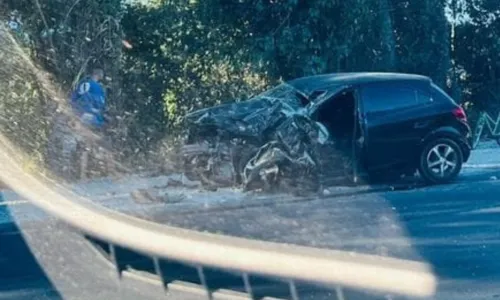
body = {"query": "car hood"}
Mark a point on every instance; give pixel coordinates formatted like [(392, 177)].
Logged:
[(230, 110), (249, 118)]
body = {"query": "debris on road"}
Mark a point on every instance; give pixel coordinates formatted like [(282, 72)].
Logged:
[(148, 196)]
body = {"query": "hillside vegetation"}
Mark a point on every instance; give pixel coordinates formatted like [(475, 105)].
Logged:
[(164, 58)]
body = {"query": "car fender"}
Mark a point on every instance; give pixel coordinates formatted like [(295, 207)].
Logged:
[(451, 133)]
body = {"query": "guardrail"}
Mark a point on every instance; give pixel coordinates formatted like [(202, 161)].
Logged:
[(292, 263)]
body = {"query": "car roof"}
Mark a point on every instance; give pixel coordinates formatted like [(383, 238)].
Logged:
[(312, 83)]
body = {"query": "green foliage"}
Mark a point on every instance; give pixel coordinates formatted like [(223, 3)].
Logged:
[(187, 60), (191, 54), (70, 36), (423, 35), (23, 104), (477, 54), (195, 54)]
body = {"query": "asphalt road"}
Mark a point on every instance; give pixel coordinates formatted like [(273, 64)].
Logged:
[(455, 228)]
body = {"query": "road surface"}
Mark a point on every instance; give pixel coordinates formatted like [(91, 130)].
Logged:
[(455, 228)]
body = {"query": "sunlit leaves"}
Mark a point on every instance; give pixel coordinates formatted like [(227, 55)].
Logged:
[(202, 60), (22, 103)]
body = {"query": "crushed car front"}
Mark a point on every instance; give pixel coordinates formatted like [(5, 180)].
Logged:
[(271, 134), (250, 118)]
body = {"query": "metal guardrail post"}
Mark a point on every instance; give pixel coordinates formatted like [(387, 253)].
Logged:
[(248, 285), (159, 272), (114, 259), (203, 281), (293, 290), (339, 293)]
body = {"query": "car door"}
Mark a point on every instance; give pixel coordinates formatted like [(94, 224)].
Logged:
[(395, 117)]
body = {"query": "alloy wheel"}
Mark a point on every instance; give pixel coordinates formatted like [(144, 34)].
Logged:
[(442, 160)]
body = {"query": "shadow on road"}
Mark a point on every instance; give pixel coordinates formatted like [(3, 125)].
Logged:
[(454, 228), (21, 277)]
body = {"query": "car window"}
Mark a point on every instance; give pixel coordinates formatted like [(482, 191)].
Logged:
[(423, 97), (286, 91), (439, 95), (378, 98)]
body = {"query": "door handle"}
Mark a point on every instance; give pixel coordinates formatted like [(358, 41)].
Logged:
[(418, 125), (362, 117)]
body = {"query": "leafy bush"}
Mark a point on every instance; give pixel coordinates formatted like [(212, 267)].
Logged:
[(23, 103), (184, 55)]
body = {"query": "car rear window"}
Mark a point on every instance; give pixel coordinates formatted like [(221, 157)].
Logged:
[(440, 96)]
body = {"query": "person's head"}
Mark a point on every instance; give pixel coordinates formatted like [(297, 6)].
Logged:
[(97, 74), (14, 15)]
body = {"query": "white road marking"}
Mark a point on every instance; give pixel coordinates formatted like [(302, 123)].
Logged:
[(482, 166)]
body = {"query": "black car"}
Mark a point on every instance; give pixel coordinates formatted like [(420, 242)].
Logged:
[(313, 129)]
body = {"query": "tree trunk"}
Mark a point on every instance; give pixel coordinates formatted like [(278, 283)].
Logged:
[(387, 33)]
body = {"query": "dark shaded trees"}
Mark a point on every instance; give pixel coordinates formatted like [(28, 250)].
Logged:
[(191, 54)]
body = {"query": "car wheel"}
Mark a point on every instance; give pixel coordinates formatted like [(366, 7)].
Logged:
[(440, 161)]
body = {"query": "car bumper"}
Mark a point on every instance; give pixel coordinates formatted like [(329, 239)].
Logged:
[(467, 147)]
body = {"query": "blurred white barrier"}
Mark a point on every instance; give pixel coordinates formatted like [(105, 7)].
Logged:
[(325, 267)]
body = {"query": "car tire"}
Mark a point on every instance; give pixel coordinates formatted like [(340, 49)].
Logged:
[(440, 161)]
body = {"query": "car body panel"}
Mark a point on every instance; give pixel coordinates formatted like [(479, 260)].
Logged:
[(451, 132), (312, 83), (393, 134)]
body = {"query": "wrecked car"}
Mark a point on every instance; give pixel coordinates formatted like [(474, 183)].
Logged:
[(318, 130)]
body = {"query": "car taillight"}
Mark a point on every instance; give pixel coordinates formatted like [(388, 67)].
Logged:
[(459, 113)]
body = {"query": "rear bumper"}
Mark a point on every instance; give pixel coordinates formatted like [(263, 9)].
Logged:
[(467, 143), (466, 150)]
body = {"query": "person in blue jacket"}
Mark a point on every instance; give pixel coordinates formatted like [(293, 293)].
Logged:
[(88, 100)]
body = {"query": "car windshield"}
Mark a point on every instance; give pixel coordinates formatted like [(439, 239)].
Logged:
[(286, 91)]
